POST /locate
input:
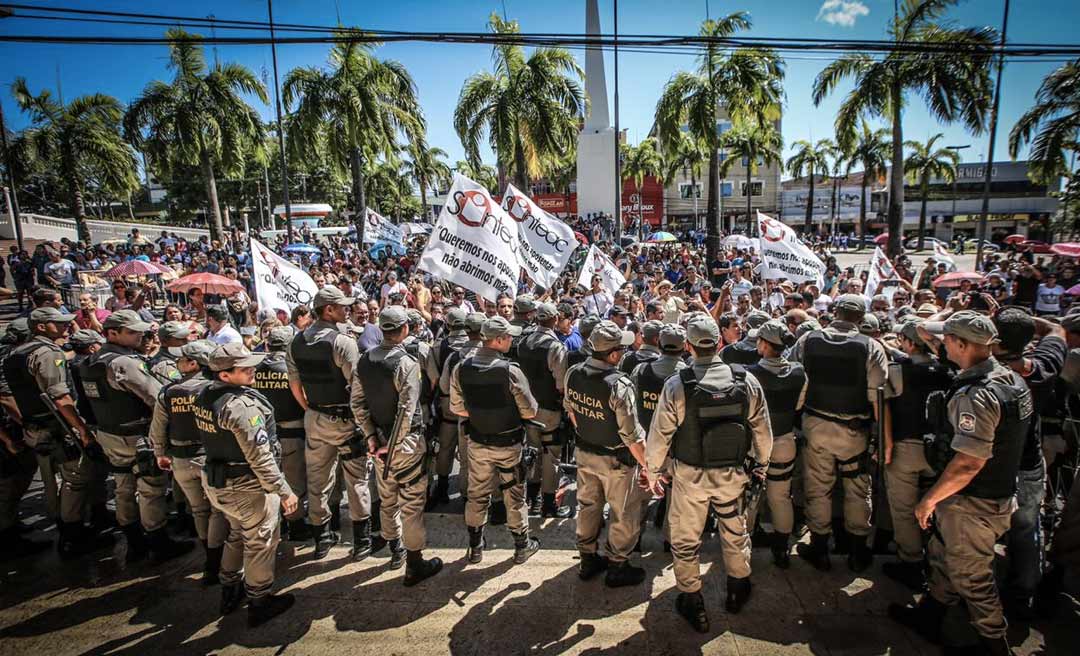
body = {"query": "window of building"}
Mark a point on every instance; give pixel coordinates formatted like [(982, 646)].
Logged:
[(757, 188), (689, 190), (760, 162), (726, 189)]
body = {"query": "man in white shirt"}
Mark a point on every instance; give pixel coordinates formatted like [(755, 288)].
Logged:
[(458, 300), (392, 286), (740, 285), (60, 271), (221, 331), (1048, 296), (597, 300)]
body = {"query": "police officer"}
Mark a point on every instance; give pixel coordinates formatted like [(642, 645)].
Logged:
[(173, 335), (710, 419), (493, 395), (272, 381), (320, 362), (525, 307), (844, 369), (386, 403), (649, 351), (122, 394), (971, 504), (464, 335), (39, 366), (85, 343), (913, 376), (585, 328), (424, 355), (542, 358), (610, 449), (179, 449), (784, 385), (242, 480), (745, 351)]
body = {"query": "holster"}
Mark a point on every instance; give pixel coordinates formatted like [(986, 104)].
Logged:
[(146, 463), (528, 455), (357, 446), (215, 474)]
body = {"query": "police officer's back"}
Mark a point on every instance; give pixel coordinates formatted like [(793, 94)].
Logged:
[(650, 347)]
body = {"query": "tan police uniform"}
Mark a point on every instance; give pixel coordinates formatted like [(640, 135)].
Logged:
[(242, 478), (447, 442), (473, 321), (601, 403), (844, 369), (494, 395)]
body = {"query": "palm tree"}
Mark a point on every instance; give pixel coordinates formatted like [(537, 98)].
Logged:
[(838, 162), (200, 119), (83, 138), (389, 183), (480, 173), (758, 143), (563, 175), (951, 72), (359, 104), (527, 108), (639, 162), (428, 168), (924, 163), (872, 151), (687, 157), (1052, 126), (746, 80), (810, 159)]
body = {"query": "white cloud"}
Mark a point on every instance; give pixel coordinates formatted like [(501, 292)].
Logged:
[(842, 12)]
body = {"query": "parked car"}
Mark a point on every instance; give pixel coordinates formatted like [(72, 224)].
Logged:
[(971, 245), (1035, 246), (928, 243)]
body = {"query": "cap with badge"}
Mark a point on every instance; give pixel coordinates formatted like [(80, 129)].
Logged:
[(524, 304), (496, 327), (49, 314), (967, 325), (475, 321), (280, 336), (926, 310), (607, 336), (128, 319), (910, 331), (393, 317), (199, 351), (174, 330), (651, 329), (587, 323), (17, 330), (702, 331), (331, 296), (547, 311), (84, 338), (775, 332), (672, 338), (456, 318), (852, 302), (234, 354), (869, 324), (415, 318)]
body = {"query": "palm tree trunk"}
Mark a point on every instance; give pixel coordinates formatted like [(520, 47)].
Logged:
[(360, 200), (217, 229), (130, 207), (896, 178), (77, 202), (641, 214), (712, 221), (809, 223), (925, 189), (862, 211), (423, 201), (520, 178), (749, 198)]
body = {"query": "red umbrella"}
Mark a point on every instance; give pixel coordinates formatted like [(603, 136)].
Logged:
[(1073, 291), (881, 239), (1066, 249), (136, 268), (956, 277), (582, 238), (1014, 239), (210, 283)]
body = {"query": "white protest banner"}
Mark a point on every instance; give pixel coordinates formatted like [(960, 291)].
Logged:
[(597, 263), (474, 243), (941, 254), (379, 228), (784, 256), (546, 242), (881, 269), (279, 284)]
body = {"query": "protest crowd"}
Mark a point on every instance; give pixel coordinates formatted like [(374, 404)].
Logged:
[(904, 415)]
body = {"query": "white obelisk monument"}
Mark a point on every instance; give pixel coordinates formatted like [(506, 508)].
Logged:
[(596, 142)]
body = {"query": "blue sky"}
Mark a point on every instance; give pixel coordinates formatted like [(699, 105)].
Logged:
[(440, 69)]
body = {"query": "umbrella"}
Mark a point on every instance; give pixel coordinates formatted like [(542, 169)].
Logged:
[(662, 236), (302, 248), (582, 238), (136, 268), (1014, 239), (956, 277), (881, 239), (626, 240), (210, 283), (1073, 291), (739, 241), (1066, 249)]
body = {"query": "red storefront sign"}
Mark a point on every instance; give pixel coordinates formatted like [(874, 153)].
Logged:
[(650, 202)]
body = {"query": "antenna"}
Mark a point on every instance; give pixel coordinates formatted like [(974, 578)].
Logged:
[(59, 87), (337, 10), (504, 10), (213, 34)]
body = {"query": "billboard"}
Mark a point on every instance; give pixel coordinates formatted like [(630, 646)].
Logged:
[(793, 202)]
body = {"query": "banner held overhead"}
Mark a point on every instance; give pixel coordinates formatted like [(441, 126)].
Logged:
[(546, 242)]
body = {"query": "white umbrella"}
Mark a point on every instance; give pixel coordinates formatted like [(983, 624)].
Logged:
[(739, 241)]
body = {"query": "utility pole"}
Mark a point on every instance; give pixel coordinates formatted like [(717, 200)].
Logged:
[(990, 146), (280, 130), (9, 164), (956, 149), (618, 162)]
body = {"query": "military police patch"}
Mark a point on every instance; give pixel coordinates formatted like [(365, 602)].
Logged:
[(255, 421), (967, 422), (60, 362), (261, 438)]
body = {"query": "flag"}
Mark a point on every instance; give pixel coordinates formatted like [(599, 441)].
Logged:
[(546, 242), (784, 256), (597, 263), (279, 284), (881, 269)]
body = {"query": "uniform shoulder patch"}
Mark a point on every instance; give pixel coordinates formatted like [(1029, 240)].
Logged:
[(966, 422), (261, 438), (59, 362), (255, 421)]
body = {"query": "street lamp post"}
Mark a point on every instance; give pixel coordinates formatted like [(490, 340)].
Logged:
[(280, 131), (957, 150)]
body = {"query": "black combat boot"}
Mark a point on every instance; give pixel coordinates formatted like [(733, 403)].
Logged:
[(591, 565), (995, 647), (476, 544), (163, 547), (497, 513), (417, 569), (335, 517), (551, 508), (910, 575), (532, 499), (101, 520), (861, 555), (232, 595), (324, 539), (781, 550), (212, 564), (361, 539), (924, 617), (397, 554), (817, 552), (263, 609), (1048, 594), (137, 548), (622, 574), (441, 495), (299, 530), (691, 605), (524, 546), (75, 540), (738, 593), (13, 545), (376, 516)]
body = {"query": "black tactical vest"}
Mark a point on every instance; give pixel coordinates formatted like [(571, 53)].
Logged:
[(634, 358), (323, 382), (589, 393), (781, 395), (272, 381), (741, 352), (117, 411), (997, 479), (494, 419), (178, 399), (412, 347), (909, 418), (577, 357), (515, 342), (714, 432), (533, 359), (82, 404), (649, 386), (836, 367), (220, 442), (24, 386), (380, 394)]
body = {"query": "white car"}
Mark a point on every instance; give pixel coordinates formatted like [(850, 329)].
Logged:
[(971, 245), (928, 243)]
